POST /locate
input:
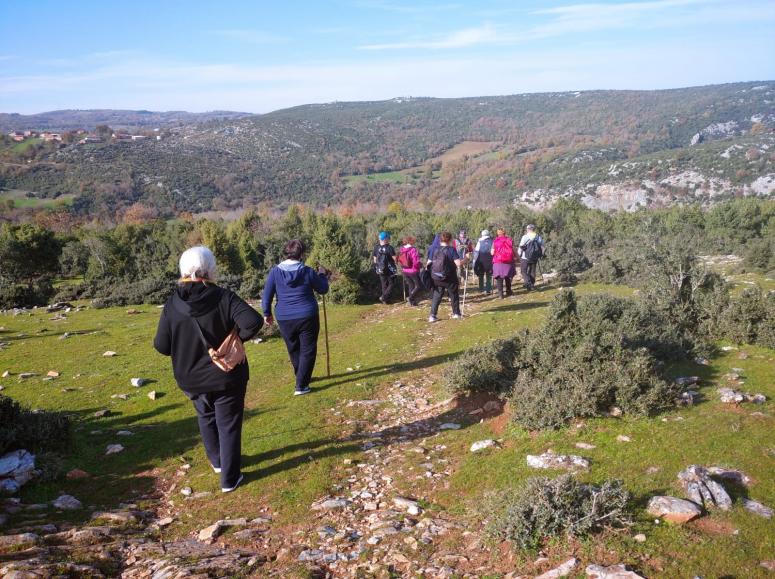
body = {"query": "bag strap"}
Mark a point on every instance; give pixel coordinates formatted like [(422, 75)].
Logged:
[(207, 346), (201, 334)]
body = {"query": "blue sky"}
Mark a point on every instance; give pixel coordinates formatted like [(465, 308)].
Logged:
[(260, 56)]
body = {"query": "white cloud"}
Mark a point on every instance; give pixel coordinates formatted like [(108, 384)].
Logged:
[(485, 34), (151, 83)]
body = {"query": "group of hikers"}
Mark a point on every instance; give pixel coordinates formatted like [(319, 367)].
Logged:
[(449, 260), (203, 326)]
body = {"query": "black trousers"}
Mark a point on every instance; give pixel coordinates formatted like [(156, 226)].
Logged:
[(220, 423), (413, 288), (528, 271), (453, 291), (499, 282), (386, 280), (301, 339)]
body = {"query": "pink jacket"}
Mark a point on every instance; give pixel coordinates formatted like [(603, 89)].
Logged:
[(410, 256)]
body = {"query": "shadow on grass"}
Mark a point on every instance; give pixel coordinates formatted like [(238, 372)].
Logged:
[(47, 334), (519, 306), (385, 370)]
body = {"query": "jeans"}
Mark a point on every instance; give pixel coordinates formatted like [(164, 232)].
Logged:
[(412, 281), (387, 281), (301, 339), (485, 282), (528, 271), (453, 290), (220, 422)]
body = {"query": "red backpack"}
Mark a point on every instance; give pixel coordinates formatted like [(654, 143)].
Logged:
[(504, 250), (405, 259)]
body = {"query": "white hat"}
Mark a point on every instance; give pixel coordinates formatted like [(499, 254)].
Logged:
[(485, 233), (198, 262)]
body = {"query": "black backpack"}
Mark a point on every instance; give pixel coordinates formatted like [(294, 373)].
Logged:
[(531, 251), (483, 263), (443, 268), (384, 265)]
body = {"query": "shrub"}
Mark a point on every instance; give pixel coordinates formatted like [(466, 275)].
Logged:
[(488, 367), (545, 508), (344, 291), (36, 292), (33, 430), (750, 319), (590, 355)]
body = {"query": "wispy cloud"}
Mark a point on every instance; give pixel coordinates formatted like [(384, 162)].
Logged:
[(249, 36), (468, 37), (592, 17)]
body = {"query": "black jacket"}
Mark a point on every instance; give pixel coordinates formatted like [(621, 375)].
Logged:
[(217, 311)]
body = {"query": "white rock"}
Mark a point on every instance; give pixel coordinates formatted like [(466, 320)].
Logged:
[(67, 503), (757, 508), (612, 572), (186, 491), (330, 504), (673, 509), (153, 395), (137, 382), (6, 374), (623, 438), (449, 426), (483, 444), (125, 433), (109, 354), (209, 534), (562, 571), (409, 505), (585, 445), (640, 538), (702, 489), (114, 449), (562, 461)]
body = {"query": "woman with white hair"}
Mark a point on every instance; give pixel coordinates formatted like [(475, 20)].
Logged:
[(199, 316)]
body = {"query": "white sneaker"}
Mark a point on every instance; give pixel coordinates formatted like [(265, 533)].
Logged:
[(457, 316), (432, 319), (229, 489)]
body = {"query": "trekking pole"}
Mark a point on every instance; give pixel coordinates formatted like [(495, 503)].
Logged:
[(465, 291), (325, 333), (403, 284)]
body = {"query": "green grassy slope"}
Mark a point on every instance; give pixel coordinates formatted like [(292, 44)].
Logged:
[(294, 448)]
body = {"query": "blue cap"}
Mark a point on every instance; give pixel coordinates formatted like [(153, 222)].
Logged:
[(383, 235)]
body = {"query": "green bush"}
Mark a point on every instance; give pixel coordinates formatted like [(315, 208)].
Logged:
[(33, 430), (590, 355), (544, 508), (750, 319), (344, 291), (35, 292), (488, 368)]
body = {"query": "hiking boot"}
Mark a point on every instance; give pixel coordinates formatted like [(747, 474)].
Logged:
[(382, 300), (457, 316), (229, 489), (432, 319), (302, 391)]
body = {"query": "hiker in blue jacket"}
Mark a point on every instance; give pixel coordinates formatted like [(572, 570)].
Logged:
[(294, 284)]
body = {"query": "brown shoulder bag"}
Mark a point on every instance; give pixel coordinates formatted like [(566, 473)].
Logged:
[(231, 352)]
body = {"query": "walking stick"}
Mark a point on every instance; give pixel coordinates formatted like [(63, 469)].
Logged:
[(403, 284), (465, 291), (325, 331)]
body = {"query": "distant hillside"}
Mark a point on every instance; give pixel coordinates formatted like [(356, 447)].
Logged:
[(607, 148), (88, 119)]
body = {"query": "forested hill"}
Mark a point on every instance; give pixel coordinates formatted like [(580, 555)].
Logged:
[(608, 148), (65, 120)]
